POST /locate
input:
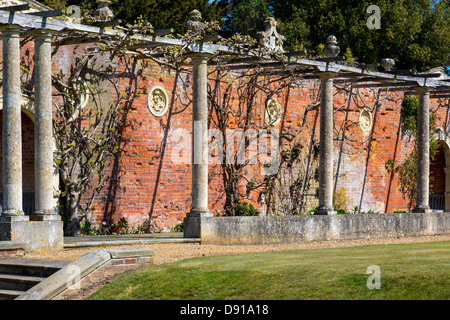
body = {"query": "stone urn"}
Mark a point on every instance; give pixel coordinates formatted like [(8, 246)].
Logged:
[(194, 24), (387, 63), (103, 13), (331, 48)]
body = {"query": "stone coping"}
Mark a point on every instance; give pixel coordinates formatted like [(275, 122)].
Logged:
[(11, 245), (93, 241), (78, 269)]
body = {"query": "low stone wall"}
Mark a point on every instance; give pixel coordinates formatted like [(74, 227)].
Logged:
[(291, 229)]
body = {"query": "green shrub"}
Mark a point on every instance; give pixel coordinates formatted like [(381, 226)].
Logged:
[(178, 227), (244, 209), (120, 227), (86, 228)]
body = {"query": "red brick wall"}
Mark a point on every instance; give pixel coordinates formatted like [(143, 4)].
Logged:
[(147, 181)]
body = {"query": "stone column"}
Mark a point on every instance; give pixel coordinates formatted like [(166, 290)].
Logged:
[(423, 152), (199, 147), (12, 128), (43, 129), (326, 146)]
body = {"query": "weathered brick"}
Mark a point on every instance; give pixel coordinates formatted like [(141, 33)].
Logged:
[(146, 182)]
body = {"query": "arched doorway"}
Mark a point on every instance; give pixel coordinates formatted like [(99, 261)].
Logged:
[(440, 174), (27, 163), (437, 180), (27, 119)]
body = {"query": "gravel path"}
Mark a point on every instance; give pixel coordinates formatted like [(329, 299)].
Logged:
[(170, 252)]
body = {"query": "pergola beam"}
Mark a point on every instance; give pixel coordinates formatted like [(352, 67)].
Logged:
[(108, 24), (47, 14), (412, 92), (384, 84), (17, 8), (440, 96), (36, 22)]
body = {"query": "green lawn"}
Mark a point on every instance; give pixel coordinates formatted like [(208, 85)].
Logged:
[(408, 271)]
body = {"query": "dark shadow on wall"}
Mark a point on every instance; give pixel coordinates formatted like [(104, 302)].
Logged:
[(310, 159), (111, 197), (341, 148), (163, 146), (394, 158), (369, 148)]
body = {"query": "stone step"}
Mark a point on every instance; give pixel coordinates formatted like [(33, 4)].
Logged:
[(18, 275), (9, 294), (18, 282), (30, 267)]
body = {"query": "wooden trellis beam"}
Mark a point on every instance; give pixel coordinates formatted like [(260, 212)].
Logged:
[(432, 92), (17, 8), (29, 21), (47, 14), (440, 96), (384, 84)]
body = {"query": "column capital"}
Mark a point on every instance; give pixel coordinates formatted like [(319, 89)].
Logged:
[(422, 89), (10, 28), (40, 33), (326, 74), (199, 56)]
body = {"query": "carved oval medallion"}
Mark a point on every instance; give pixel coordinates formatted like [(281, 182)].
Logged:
[(273, 112), (158, 101), (365, 120)]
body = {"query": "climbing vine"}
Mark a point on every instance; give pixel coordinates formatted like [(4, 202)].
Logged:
[(407, 170)]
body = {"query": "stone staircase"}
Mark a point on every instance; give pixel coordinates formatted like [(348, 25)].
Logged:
[(18, 275)]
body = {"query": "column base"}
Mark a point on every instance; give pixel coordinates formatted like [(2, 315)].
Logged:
[(325, 212), (422, 210), (193, 222), (13, 213), (45, 215), (18, 218), (37, 236), (199, 212)]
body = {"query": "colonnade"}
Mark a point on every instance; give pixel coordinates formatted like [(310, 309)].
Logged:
[(326, 174), (12, 138), (44, 207)]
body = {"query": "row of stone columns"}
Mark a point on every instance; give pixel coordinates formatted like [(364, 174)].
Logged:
[(326, 148), (199, 157), (12, 137)]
